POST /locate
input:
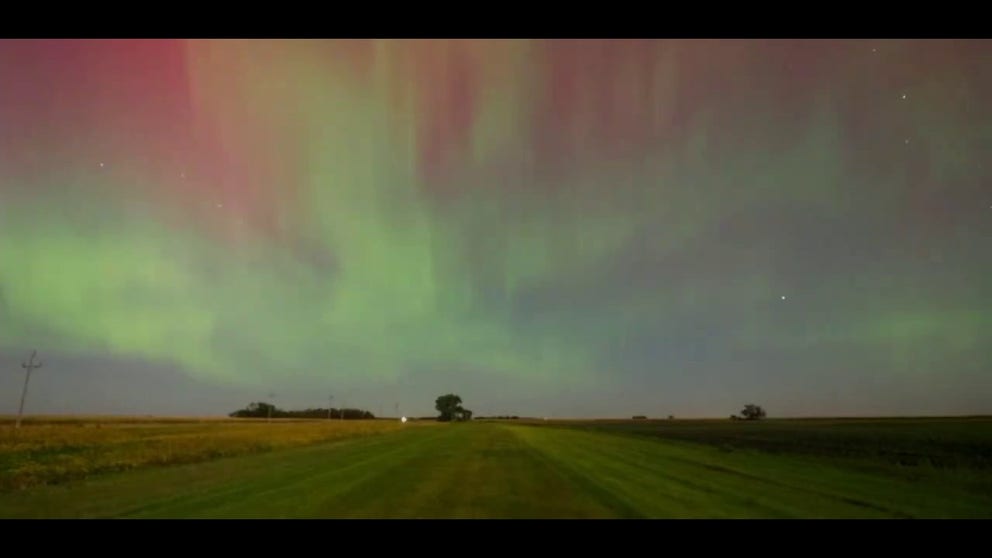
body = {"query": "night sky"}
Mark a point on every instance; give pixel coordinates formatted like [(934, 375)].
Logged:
[(547, 228)]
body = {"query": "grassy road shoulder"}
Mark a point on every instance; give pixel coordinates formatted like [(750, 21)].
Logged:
[(59, 451)]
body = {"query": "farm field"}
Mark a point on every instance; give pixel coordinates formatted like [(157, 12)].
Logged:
[(907, 444), (58, 449), (599, 469)]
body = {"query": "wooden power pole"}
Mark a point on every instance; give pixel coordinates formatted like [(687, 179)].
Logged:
[(28, 367)]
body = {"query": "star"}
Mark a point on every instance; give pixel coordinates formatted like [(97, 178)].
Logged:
[(101, 165), (874, 50), (220, 205), (907, 141), (182, 175), (903, 95), (783, 297)]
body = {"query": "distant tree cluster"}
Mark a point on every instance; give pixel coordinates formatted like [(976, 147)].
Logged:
[(500, 417), (260, 409), (450, 408), (750, 412)]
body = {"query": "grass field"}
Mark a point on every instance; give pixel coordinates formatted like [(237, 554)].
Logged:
[(579, 470)]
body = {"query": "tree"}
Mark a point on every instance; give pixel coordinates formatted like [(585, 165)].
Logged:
[(450, 408), (447, 406), (753, 412)]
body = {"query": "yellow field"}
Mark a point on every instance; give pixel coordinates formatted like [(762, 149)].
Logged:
[(54, 449)]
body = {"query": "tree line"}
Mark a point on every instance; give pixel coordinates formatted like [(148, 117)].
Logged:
[(260, 409), (449, 407)]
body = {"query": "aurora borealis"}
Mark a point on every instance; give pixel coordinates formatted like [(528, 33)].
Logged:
[(544, 227)]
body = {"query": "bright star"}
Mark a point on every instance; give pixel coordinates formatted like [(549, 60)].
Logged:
[(783, 297)]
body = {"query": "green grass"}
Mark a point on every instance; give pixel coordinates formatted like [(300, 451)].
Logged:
[(504, 471)]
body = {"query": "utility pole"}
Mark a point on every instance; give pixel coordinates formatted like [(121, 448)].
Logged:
[(272, 404), (28, 367), (330, 399)]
